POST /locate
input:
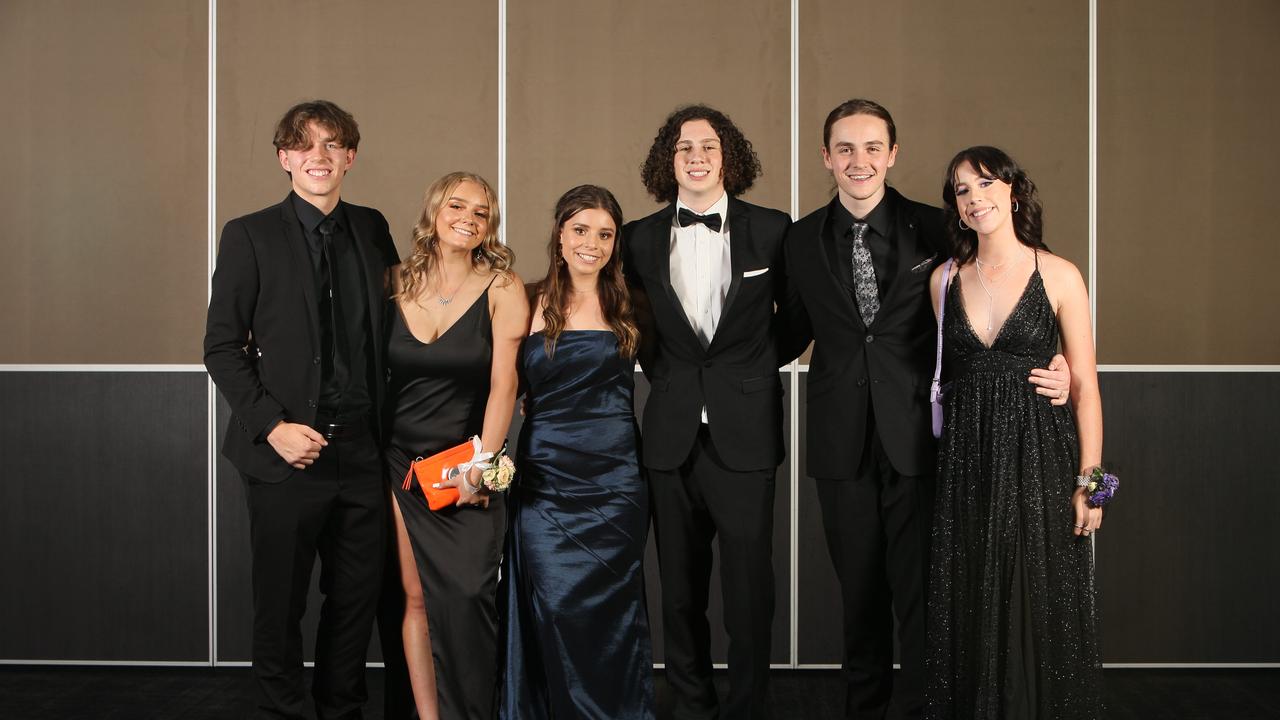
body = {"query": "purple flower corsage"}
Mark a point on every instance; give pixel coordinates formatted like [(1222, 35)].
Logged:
[(1099, 486)]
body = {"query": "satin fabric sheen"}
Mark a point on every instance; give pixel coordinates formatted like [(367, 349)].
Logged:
[(578, 632)]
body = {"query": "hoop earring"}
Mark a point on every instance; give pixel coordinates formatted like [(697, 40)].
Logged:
[(960, 222), (1015, 205)]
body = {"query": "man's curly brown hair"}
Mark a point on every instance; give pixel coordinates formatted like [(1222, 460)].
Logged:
[(741, 167)]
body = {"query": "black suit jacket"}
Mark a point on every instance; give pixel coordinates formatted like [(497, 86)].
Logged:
[(888, 365), (262, 339), (736, 376)]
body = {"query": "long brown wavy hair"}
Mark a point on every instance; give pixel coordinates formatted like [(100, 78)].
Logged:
[(615, 299), (994, 163), (490, 255)]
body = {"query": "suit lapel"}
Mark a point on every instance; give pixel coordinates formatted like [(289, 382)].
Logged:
[(658, 240), (300, 264), (906, 231), (830, 277), (373, 274), (739, 241)]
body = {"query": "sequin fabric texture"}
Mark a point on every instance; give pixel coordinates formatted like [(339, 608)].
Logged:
[(1012, 604)]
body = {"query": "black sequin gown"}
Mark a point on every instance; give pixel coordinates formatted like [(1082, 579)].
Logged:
[(1011, 593)]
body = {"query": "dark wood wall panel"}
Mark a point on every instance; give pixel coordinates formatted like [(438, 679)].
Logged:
[(104, 106), (103, 517), (1186, 560), (1015, 75), (1187, 150), (590, 83), (420, 78)]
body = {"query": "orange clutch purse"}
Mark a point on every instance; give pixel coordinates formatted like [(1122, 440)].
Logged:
[(432, 470)]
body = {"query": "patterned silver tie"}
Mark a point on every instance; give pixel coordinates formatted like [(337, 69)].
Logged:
[(865, 290)]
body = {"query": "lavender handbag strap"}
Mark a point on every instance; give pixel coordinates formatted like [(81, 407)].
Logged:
[(935, 389)]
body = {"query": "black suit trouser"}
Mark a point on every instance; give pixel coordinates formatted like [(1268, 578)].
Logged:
[(692, 505), (336, 508), (878, 527)]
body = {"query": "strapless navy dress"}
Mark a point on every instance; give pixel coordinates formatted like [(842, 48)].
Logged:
[(577, 628)]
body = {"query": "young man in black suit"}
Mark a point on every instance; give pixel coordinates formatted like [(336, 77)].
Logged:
[(710, 266), (293, 344), (861, 266)]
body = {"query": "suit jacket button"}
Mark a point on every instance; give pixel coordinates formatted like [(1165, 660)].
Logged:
[(871, 338), (862, 381), (311, 403), (706, 364), (315, 360)]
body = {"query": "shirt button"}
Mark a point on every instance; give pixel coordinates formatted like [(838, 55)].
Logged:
[(871, 338)]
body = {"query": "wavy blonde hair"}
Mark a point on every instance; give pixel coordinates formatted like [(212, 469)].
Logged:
[(490, 255)]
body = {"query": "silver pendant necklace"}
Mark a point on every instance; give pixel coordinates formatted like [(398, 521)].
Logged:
[(991, 304)]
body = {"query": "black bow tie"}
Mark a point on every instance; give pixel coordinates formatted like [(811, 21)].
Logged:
[(687, 217)]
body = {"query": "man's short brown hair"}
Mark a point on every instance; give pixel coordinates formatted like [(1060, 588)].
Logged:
[(291, 131)]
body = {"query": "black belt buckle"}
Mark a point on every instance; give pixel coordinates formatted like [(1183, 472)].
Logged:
[(340, 431)]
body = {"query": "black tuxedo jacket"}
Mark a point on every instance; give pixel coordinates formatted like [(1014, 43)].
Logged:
[(262, 340), (736, 376), (888, 365)]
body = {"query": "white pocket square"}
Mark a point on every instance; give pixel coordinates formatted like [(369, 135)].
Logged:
[(753, 273)]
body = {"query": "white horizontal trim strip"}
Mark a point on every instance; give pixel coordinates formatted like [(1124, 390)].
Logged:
[(127, 367), (1189, 666), (112, 663), (1191, 368)]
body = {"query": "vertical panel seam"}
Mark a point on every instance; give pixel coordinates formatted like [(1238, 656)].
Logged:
[(793, 457), (502, 121), (1093, 170), (211, 405)]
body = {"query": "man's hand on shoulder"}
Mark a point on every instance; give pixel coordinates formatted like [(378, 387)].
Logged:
[(298, 444)]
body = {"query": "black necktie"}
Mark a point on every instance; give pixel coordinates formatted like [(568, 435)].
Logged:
[(687, 217), (333, 337)]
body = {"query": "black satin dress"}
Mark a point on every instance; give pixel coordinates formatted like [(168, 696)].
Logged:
[(438, 393), (578, 631), (1012, 617)]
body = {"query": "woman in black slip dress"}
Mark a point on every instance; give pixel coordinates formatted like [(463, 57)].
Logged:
[(577, 634), (1012, 614), (459, 317)]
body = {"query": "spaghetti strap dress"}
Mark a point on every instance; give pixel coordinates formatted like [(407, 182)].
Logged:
[(1012, 606), (438, 392)]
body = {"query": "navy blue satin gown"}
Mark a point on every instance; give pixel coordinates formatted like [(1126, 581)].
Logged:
[(577, 626)]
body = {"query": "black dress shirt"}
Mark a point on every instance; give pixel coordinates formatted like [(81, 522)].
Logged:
[(879, 240), (345, 367)]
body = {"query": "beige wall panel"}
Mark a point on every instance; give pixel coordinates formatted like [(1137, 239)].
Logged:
[(1014, 74), (589, 84), (103, 248), (420, 78), (1188, 94)]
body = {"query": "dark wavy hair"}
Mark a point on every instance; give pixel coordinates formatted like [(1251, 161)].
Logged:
[(995, 164), (615, 299), (741, 167), (291, 131)]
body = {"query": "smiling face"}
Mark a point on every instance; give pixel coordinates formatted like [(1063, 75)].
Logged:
[(463, 219), (859, 156), (699, 165), (316, 170), (586, 242), (983, 202)]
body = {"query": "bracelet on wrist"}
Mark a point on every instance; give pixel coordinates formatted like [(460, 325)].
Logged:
[(1099, 486)]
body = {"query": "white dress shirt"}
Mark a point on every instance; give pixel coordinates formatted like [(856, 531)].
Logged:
[(700, 270)]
